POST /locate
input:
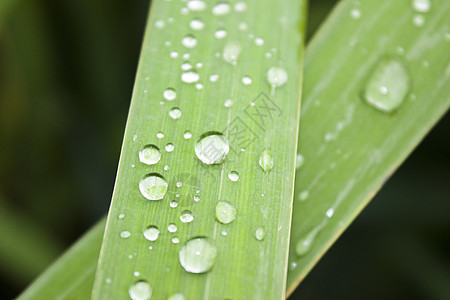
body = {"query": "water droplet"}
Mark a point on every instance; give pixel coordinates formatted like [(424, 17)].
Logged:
[(277, 76), (187, 134), (137, 274), (422, 6), (260, 234), (292, 265), (189, 41), (220, 34), (221, 8), (388, 85), (121, 216), (108, 280), (228, 103), (172, 228), (166, 167), (186, 217), (140, 290), (212, 148), (199, 65), (175, 240), (151, 233), (355, 13), (179, 184), (213, 77), (149, 155), (199, 86), (240, 6), (419, 20), (175, 113), (125, 234), (303, 195), (233, 176), (266, 161), (153, 186), (159, 24), (330, 212), (299, 161), (196, 5), (197, 24), (160, 135), (177, 296), (304, 244), (242, 26), (174, 54), (197, 255), (196, 198), (225, 212), (268, 55), (170, 94), (173, 204), (186, 66), (231, 52), (259, 41), (246, 80), (224, 233), (190, 76), (169, 147)]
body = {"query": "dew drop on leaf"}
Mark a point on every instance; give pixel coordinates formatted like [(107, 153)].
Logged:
[(421, 5), (197, 255), (299, 161), (190, 76), (212, 148), (170, 94), (140, 290), (177, 296), (189, 41), (231, 52), (150, 155), (151, 233), (260, 234), (125, 234), (175, 113), (196, 24), (153, 186), (186, 217), (221, 8), (266, 161), (172, 228), (225, 212), (277, 76), (233, 176), (196, 5)]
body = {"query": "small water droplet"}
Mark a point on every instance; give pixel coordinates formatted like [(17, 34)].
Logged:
[(419, 20), (388, 85), (242, 26), (174, 54), (198, 255), (299, 161), (190, 76), (303, 195), (246, 80), (355, 13), (159, 24), (186, 56), (199, 86), (172, 228), (225, 212), (153, 186), (224, 233), (260, 234), (150, 155), (186, 217), (212, 148), (233, 176), (140, 290), (186, 66), (173, 204), (266, 161), (187, 134), (220, 34), (179, 184), (231, 52), (197, 24), (259, 41), (160, 135), (166, 167), (175, 113), (277, 76), (422, 6), (125, 234), (228, 103), (177, 296), (330, 212), (213, 77), (196, 198), (108, 280), (304, 245), (151, 233), (196, 5), (135, 137), (121, 216), (184, 11), (175, 240), (137, 274), (169, 147), (240, 6), (189, 41), (170, 94), (221, 8)]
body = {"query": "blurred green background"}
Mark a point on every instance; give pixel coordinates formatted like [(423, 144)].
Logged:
[(66, 75)]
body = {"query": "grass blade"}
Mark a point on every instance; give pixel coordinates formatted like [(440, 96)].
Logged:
[(349, 147), (259, 236)]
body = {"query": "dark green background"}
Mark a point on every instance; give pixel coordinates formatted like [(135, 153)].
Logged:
[(66, 76)]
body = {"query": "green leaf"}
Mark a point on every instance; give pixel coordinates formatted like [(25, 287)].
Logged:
[(258, 65), (350, 147)]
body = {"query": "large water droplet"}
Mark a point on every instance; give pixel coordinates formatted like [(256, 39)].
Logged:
[(421, 5), (189, 41), (225, 212), (233, 176), (277, 76), (170, 94), (198, 255), (153, 186), (186, 217), (190, 76), (151, 233), (222, 8), (266, 161), (149, 155), (212, 148), (260, 234), (140, 290), (175, 113), (231, 52), (388, 85)]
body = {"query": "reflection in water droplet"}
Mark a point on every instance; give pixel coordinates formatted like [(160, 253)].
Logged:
[(222, 8), (149, 155), (421, 5), (151, 233), (299, 161), (266, 161), (175, 113), (125, 234), (172, 228), (231, 52), (196, 5), (198, 255), (388, 85), (186, 217), (212, 148), (140, 290), (277, 76), (153, 186), (233, 176), (189, 41), (190, 76), (196, 24), (260, 234), (246, 80), (225, 212), (170, 94)]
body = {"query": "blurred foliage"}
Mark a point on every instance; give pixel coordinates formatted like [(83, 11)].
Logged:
[(66, 76)]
